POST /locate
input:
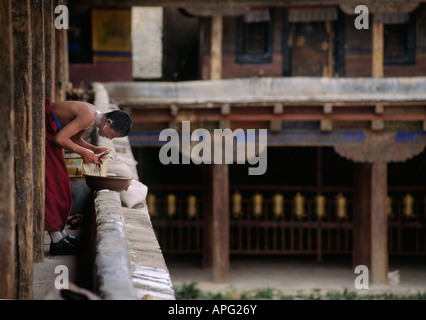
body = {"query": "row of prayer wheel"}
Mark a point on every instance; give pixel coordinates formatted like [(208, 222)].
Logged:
[(278, 205), (298, 205), (191, 201)]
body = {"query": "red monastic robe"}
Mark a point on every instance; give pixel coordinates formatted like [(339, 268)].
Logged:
[(57, 184)]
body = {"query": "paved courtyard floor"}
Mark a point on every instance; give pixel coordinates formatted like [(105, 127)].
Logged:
[(298, 275)]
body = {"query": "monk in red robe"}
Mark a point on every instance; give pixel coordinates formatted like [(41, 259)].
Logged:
[(66, 124)]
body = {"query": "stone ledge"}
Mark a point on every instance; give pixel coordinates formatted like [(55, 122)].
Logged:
[(129, 263), (150, 275), (113, 277)]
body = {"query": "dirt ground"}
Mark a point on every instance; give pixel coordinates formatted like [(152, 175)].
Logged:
[(297, 275)]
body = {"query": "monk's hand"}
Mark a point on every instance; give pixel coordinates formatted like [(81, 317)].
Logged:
[(90, 157)]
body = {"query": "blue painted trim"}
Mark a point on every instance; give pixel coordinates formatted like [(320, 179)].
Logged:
[(150, 138)]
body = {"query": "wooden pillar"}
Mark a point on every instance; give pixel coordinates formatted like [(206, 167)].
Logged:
[(377, 46), (61, 60), (370, 220), (49, 43), (23, 147), (208, 214), (38, 94), (362, 205), (204, 47), (7, 182), (219, 222), (216, 48), (379, 224)]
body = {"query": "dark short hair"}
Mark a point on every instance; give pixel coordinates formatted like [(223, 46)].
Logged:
[(121, 121)]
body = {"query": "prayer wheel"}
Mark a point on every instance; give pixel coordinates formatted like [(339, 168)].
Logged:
[(341, 207), (299, 206), (320, 206), (389, 207), (192, 206), (278, 205), (408, 206), (150, 199), (171, 205), (237, 204), (257, 204)]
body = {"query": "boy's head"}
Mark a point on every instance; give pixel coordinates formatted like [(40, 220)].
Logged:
[(121, 122)]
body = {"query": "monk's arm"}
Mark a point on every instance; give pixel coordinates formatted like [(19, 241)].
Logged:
[(83, 143), (64, 140)]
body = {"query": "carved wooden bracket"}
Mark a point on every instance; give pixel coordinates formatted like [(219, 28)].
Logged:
[(380, 147)]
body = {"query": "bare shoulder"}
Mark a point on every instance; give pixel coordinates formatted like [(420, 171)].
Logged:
[(80, 111), (74, 106)]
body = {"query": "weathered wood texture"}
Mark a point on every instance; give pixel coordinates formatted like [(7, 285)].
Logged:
[(362, 228), (61, 60), (379, 224), (220, 206), (23, 147), (377, 47), (38, 94), (207, 209), (49, 43), (370, 246), (224, 6), (7, 182), (216, 48), (216, 235)]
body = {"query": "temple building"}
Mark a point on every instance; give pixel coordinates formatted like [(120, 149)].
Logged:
[(339, 89), (335, 90)]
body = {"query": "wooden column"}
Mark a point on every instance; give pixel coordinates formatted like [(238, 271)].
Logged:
[(208, 216), (216, 48), (204, 46), (370, 220), (49, 43), (362, 215), (23, 147), (379, 223), (377, 46), (61, 60), (220, 222), (7, 182), (216, 229), (38, 94)]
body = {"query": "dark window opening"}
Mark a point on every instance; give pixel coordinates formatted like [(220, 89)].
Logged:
[(399, 43), (254, 40), (80, 38), (255, 35), (395, 36)]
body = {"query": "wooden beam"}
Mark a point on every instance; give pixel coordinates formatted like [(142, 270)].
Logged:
[(394, 6), (7, 182), (23, 147), (38, 105), (216, 48), (276, 125), (379, 224), (377, 46)]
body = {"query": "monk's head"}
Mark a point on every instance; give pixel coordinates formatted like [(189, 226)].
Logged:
[(116, 124)]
